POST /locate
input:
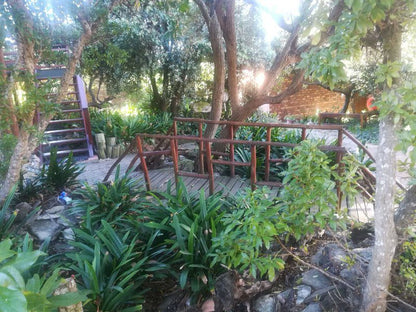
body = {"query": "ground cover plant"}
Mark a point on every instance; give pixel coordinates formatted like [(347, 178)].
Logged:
[(110, 267)]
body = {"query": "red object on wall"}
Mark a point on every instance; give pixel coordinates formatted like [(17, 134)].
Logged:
[(370, 106)]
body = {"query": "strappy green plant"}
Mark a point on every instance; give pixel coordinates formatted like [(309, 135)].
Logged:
[(109, 202), (110, 267), (59, 174), (185, 225)]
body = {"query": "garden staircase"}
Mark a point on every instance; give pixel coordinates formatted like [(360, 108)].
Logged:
[(70, 130)]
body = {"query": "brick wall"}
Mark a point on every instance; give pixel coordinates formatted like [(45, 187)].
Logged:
[(309, 102)]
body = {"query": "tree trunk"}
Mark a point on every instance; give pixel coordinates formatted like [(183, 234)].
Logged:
[(20, 154), (378, 279), (215, 37), (346, 101), (225, 13), (156, 100), (405, 215)]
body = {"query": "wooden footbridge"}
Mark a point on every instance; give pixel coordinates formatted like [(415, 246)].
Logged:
[(208, 157)]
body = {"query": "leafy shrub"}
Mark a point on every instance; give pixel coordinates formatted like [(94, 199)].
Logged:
[(22, 291), (110, 268), (59, 174), (250, 229), (406, 282), (307, 203), (188, 223), (308, 199), (109, 202), (7, 144)]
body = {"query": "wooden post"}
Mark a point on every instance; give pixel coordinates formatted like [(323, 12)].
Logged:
[(201, 149), (84, 111), (232, 169), (175, 133), (175, 161), (267, 161), (253, 167), (210, 167), (339, 159), (143, 162), (303, 134)]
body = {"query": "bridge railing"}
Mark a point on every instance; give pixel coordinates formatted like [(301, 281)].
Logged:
[(207, 157)]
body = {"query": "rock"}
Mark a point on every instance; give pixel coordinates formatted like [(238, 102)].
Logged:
[(31, 169), (225, 289), (303, 291), (23, 209), (318, 294), (364, 253), (313, 307), (186, 165), (267, 303), (330, 257), (56, 209), (48, 216), (353, 275), (68, 234), (191, 150), (315, 279), (285, 296), (44, 229), (338, 299)]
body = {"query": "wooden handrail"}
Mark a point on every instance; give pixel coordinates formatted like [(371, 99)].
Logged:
[(258, 124), (228, 141)]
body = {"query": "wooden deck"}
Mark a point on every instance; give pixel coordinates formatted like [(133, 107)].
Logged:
[(160, 178)]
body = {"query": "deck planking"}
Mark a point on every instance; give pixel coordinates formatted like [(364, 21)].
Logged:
[(159, 179)]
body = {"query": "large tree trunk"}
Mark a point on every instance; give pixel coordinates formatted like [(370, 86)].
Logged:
[(215, 37), (20, 154), (378, 279)]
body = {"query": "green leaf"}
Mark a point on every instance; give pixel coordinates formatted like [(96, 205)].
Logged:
[(51, 284), (356, 6), (25, 260), (5, 251), (377, 14), (11, 276), (36, 301), (68, 299), (183, 278), (12, 300), (271, 272)]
